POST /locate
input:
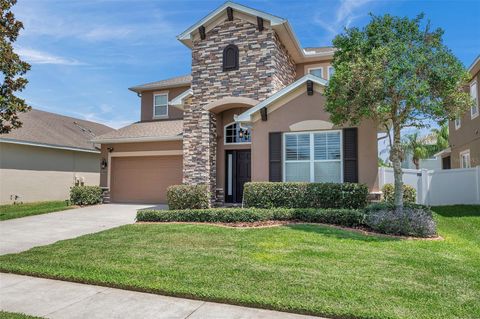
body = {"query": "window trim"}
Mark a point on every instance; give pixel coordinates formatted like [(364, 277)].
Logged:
[(312, 160), (163, 115), (474, 115), (328, 71), (225, 136), (316, 68), (459, 123), (465, 152)]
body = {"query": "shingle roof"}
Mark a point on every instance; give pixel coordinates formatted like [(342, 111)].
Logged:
[(183, 80), (40, 127), (144, 131)]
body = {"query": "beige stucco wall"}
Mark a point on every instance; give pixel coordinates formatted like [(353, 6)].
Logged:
[(146, 111), (303, 108), (302, 68), (135, 147), (40, 174)]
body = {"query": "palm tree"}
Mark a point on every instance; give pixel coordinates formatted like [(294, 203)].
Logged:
[(416, 146), (441, 135)]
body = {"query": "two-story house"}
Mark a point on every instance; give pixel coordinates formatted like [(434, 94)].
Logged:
[(252, 109), (464, 132)]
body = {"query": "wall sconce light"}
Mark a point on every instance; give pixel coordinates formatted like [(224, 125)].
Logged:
[(104, 163), (110, 149)]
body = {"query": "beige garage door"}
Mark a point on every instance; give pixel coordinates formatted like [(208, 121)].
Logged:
[(144, 179)]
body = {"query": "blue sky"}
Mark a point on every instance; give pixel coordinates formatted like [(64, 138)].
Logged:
[(85, 54)]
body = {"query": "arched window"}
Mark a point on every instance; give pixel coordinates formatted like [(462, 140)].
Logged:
[(234, 134), (230, 58)]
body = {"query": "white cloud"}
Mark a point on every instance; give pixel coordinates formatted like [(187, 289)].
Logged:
[(345, 14), (40, 57)]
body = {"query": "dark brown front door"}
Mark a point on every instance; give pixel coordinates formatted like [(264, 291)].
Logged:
[(238, 172)]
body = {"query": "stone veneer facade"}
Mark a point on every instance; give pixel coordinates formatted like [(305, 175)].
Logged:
[(264, 68)]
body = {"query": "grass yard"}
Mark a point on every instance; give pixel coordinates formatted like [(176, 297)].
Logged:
[(299, 268), (30, 209), (12, 315)]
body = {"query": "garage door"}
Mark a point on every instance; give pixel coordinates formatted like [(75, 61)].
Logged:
[(144, 179)]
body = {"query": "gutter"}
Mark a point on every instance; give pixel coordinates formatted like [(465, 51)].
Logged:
[(59, 147), (137, 139)]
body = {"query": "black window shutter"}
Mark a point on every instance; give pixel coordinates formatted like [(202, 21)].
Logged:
[(275, 157), (350, 155)]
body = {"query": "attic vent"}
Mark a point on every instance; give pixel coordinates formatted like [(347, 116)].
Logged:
[(230, 58)]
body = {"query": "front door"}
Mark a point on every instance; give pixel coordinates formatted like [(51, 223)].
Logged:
[(238, 172)]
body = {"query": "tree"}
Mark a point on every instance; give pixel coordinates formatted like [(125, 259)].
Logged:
[(12, 69), (398, 73), (415, 145)]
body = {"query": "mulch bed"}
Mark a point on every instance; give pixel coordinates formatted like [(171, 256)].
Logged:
[(276, 223)]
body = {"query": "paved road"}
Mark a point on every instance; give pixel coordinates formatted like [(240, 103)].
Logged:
[(59, 299), (21, 234)]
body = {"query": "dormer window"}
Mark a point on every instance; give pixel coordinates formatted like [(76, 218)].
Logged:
[(160, 105), (230, 58)]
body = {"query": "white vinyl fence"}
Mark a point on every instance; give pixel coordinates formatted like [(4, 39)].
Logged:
[(439, 187)]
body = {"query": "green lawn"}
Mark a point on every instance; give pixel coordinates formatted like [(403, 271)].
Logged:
[(12, 315), (22, 210), (298, 268)]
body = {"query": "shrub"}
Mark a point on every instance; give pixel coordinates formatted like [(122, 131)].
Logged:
[(188, 196), (409, 193), (416, 220), (344, 217), (85, 195), (305, 195)]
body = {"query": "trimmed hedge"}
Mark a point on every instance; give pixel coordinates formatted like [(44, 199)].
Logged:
[(343, 217), (305, 195), (85, 195), (415, 220), (409, 193), (188, 197)]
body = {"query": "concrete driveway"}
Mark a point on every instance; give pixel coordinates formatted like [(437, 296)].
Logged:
[(21, 234)]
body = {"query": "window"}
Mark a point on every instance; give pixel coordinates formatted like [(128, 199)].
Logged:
[(230, 58), (160, 105), (316, 71), (313, 157), (234, 134), (330, 72), (458, 123), (465, 159), (473, 93)]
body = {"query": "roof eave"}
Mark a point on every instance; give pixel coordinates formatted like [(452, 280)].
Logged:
[(139, 89), (246, 116), (53, 146), (137, 139), (185, 36)]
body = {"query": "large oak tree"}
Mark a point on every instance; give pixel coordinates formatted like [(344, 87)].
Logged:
[(12, 69), (398, 72)]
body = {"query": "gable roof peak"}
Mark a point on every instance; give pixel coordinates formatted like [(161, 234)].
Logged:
[(280, 25)]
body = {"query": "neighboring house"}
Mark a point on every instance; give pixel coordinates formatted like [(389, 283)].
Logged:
[(432, 163), (464, 132), (46, 156), (252, 109)]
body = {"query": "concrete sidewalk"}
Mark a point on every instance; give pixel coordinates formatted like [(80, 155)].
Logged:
[(60, 299), (24, 233)]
